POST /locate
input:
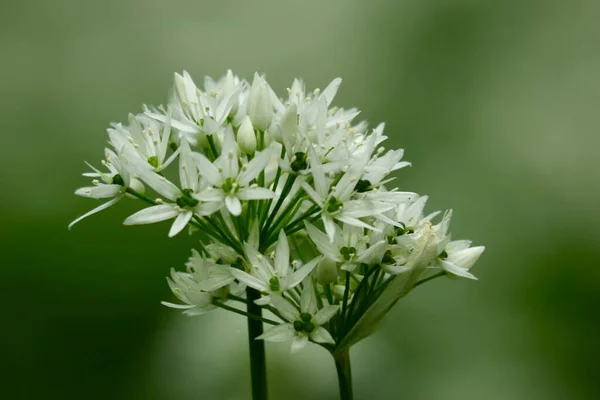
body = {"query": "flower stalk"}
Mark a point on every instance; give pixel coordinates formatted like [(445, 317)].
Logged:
[(344, 374)]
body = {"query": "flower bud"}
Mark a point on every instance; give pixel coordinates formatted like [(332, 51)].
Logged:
[(326, 271), (246, 138), (260, 106), (288, 126)]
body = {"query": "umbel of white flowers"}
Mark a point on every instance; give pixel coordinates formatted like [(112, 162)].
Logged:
[(288, 196)]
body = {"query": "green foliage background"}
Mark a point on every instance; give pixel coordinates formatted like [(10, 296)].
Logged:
[(496, 103)]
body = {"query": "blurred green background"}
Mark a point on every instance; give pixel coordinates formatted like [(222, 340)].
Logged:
[(496, 103)]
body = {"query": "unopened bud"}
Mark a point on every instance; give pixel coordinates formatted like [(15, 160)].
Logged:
[(326, 271), (260, 106), (246, 138)]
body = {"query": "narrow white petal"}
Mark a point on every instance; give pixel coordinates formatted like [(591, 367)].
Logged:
[(256, 193), (159, 183), (207, 169), (254, 167), (180, 222), (100, 191), (250, 280), (278, 333), (329, 227), (321, 240), (153, 214), (96, 210), (313, 194), (210, 195), (308, 301), (456, 270), (233, 205), (331, 90), (322, 335), (299, 343), (287, 310), (298, 276), (326, 314), (188, 171), (282, 255), (177, 306)]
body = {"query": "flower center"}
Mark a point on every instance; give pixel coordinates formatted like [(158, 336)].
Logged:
[(299, 163), (153, 161), (230, 186), (186, 199), (274, 284), (333, 205), (118, 180), (348, 253), (304, 324), (363, 185)]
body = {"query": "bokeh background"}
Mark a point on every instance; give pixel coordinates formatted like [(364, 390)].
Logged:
[(496, 103)]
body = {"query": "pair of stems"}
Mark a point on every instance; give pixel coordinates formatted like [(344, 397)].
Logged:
[(258, 364)]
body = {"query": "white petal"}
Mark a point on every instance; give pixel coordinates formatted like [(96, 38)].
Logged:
[(180, 222), (326, 314), (282, 255), (233, 205), (286, 309), (456, 270), (322, 335), (313, 194), (321, 240), (308, 301), (256, 193), (207, 169), (331, 90), (298, 276), (278, 333), (299, 343), (153, 214), (254, 167), (329, 227), (177, 306), (210, 195), (160, 184), (100, 191), (96, 210), (188, 171), (250, 280)]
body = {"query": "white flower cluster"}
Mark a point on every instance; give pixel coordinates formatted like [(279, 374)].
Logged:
[(291, 198)]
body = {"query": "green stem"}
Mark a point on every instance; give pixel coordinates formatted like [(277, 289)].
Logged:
[(344, 373), (429, 278), (258, 364), (245, 314)]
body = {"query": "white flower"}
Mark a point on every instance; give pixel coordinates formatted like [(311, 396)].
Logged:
[(304, 324), (184, 204), (228, 183), (348, 247), (458, 258), (269, 278), (114, 185)]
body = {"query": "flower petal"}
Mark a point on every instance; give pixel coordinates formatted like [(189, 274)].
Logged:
[(256, 193), (298, 276), (326, 314), (322, 335), (100, 191), (233, 205), (254, 167), (282, 255), (153, 214), (278, 333), (180, 222), (299, 343), (250, 280), (286, 309), (96, 210)]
